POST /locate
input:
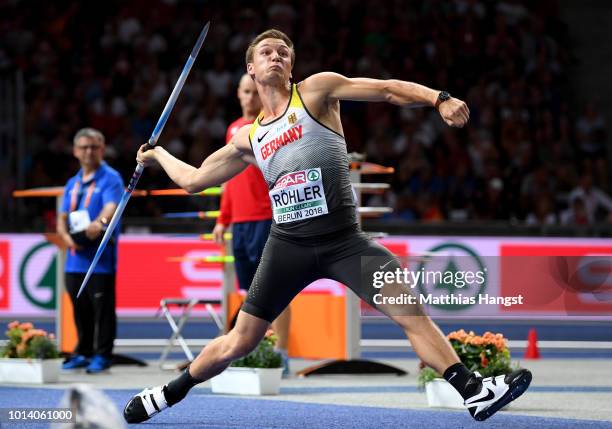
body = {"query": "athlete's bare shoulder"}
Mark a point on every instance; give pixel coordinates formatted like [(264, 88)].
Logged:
[(241, 143), (320, 85), (319, 93), (316, 92)]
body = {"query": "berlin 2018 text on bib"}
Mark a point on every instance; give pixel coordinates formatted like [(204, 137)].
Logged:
[(298, 196)]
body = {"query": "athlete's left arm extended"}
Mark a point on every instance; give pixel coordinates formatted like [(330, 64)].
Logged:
[(333, 86)]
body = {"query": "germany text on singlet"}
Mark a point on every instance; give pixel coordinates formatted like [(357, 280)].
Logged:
[(306, 167)]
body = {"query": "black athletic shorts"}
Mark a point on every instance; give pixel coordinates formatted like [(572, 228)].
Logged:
[(348, 256)]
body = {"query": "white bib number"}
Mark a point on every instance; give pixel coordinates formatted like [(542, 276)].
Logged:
[(78, 221), (298, 196)]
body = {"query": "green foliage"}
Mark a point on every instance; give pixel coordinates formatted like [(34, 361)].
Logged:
[(42, 348), (263, 356), (426, 375), (25, 342)]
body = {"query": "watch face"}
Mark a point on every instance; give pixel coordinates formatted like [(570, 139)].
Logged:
[(444, 96)]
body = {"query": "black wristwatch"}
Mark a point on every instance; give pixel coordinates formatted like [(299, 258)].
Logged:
[(442, 97)]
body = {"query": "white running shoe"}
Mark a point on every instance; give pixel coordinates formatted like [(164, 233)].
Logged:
[(145, 405), (497, 392)]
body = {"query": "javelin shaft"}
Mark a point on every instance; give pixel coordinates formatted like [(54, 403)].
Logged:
[(152, 141), (111, 226)]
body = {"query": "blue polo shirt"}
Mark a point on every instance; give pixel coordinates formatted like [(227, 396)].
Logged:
[(107, 187)]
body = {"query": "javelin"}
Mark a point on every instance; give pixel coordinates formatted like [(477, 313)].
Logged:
[(151, 142)]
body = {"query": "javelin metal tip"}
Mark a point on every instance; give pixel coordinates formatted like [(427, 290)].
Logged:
[(200, 42)]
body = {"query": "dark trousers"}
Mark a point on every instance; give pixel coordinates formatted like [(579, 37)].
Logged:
[(94, 313), (248, 245)]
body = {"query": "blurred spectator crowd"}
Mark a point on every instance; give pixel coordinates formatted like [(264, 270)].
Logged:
[(529, 153)]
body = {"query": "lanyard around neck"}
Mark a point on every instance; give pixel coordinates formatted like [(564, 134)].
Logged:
[(75, 198)]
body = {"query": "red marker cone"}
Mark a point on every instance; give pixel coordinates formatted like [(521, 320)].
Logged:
[(532, 351)]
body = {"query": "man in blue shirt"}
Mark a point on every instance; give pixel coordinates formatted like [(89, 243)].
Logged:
[(90, 199)]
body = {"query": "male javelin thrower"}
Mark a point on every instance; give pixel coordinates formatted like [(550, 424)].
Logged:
[(297, 141)]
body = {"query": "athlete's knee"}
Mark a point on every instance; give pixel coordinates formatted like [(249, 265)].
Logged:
[(239, 344)]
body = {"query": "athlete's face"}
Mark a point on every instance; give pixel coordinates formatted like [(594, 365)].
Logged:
[(248, 96), (271, 61)]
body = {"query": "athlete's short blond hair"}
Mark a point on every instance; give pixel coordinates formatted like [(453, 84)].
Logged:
[(269, 34)]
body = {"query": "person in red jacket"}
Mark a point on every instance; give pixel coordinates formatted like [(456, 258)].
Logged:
[(245, 205)]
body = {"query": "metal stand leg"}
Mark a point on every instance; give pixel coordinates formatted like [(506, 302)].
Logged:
[(215, 317), (176, 330), (176, 337)]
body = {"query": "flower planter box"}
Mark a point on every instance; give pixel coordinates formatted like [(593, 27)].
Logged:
[(29, 371), (440, 393), (248, 381)]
